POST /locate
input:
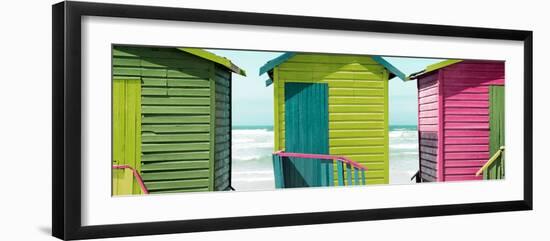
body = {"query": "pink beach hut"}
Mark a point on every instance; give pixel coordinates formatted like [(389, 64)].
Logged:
[(461, 120)]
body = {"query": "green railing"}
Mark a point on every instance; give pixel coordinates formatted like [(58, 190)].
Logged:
[(348, 172), (498, 156)]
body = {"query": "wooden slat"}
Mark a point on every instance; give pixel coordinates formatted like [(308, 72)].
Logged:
[(168, 147), (174, 165)]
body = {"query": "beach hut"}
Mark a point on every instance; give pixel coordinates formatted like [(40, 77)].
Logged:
[(171, 120), (330, 119), (461, 120)]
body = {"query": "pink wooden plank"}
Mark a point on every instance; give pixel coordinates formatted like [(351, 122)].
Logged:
[(428, 127), (467, 111), (428, 99), (426, 84), (471, 76), (466, 148), (453, 178), (461, 170), (467, 163), (466, 126), (467, 155), (453, 90), (428, 91), (466, 118), (432, 106), (440, 129), (467, 140), (466, 133), (428, 120), (477, 67), (472, 82), (467, 103), (463, 96)]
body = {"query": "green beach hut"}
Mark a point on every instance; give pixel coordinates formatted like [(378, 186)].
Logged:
[(334, 106), (171, 117)]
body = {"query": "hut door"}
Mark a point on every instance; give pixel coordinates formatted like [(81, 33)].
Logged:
[(126, 135), (306, 131), (496, 115)]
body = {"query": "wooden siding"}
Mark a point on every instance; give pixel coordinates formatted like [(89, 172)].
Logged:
[(177, 116), (496, 111), (126, 135), (428, 113), (222, 157), (358, 106), (466, 116)]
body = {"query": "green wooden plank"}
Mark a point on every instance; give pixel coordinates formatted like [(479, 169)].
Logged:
[(176, 128), (192, 183), (340, 167), (496, 125), (153, 72), (363, 178), (200, 146), (330, 172), (175, 138), (356, 176), (174, 165), (171, 175), (203, 155), (153, 82), (132, 62), (181, 190), (148, 91), (119, 51), (126, 71), (177, 119), (349, 173), (278, 171), (180, 73), (203, 101), (188, 82), (213, 128), (188, 92), (183, 63), (175, 110)]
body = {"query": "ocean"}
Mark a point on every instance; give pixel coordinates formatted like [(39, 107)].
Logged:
[(252, 164)]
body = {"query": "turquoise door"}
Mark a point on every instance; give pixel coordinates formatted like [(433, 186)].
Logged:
[(306, 131)]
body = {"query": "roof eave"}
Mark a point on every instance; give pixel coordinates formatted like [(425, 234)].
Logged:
[(214, 58)]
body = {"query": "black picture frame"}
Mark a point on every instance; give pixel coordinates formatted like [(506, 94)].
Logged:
[(66, 127)]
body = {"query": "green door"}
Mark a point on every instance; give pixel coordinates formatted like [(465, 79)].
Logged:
[(126, 135), (496, 115), (306, 131)]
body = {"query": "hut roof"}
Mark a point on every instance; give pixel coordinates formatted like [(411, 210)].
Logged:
[(267, 67), (431, 68), (214, 58)]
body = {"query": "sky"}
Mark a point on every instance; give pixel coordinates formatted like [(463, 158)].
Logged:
[(253, 101)]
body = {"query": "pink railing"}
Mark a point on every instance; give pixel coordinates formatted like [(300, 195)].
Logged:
[(136, 175)]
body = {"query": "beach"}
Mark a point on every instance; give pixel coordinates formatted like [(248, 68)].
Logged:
[(252, 162)]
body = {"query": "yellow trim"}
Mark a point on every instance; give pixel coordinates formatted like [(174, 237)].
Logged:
[(493, 158)]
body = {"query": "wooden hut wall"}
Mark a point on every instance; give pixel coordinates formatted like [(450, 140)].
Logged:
[(466, 116), (358, 106), (428, 112), (222, 164), (177, 118)]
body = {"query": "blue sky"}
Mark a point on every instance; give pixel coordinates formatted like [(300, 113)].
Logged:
[(253, 101)]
